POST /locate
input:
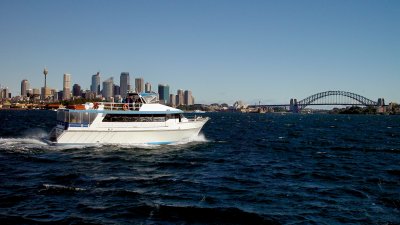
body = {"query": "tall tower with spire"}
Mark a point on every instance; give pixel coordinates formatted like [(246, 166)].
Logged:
[(45, 72), (46, 92)]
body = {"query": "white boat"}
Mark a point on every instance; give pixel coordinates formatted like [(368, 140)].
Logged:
[(199, 111), (139, 120)]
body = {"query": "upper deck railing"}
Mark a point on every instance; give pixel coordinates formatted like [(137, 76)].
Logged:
[(112, 106)]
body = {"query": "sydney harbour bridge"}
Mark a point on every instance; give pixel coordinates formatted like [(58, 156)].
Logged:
[(332, 98)]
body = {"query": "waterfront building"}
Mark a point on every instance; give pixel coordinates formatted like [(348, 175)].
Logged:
[(163, 92), (24, 87), (95, 87), (76, 90), (108, 89), (88, 94), (35, 93), (148, 87), (60, 95), (67, 87), (188, 98), (139, 85), (29, 92), (180, 97), (45, 93), (54, 93), (5, 93), (125, 83), (172, 100)]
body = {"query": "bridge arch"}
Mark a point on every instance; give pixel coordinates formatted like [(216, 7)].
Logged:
[(315, 97)]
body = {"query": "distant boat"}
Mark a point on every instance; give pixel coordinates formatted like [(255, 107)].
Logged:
[(199, 111), (140, 120)]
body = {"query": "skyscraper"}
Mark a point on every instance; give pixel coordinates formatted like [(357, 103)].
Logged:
[(163, 92), (24, 87), (139, 85), (117, 90), (108, 88), (180, 97), (124, 83), (67, 86), (188, 98), (76, 90), (148, 87), (95, 87), (172, 100)]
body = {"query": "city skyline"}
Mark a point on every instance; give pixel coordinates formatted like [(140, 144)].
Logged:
[(110, 91), (267, 51)]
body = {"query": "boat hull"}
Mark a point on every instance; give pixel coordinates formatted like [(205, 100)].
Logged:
[(163, 135)]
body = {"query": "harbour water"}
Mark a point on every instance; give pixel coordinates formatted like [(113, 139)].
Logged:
[(242, 169)]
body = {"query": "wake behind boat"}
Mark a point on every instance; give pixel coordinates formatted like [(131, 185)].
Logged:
[(140, 120)]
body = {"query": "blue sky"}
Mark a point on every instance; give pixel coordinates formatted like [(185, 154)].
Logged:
[(268, 51)]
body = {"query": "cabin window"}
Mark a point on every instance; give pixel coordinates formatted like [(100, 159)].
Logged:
[(80, 117), (136, 117)]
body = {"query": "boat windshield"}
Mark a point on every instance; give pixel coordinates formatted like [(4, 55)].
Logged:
[(149, 97)]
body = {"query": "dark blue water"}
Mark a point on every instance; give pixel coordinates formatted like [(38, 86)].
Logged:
[(244, 169)]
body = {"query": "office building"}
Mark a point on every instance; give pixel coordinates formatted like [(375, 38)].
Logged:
[(163, 93), (76, 90), (88, 94), (24, 87), (60, 95), (180, 97), (117, 90), (29, 92), (147, 87), (139, 85), (172, 100), (45, 93), (125, 84), (35, 93), (5, 93), (188, 98), (108, 89), (54, 95), (95, 86), (67, 87)]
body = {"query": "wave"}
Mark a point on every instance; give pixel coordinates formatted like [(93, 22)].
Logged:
[(191, 214), (21, 145), (60, 188), (16, 141), (33, 144), (35, 133)]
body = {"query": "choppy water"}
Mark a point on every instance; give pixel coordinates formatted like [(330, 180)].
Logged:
[(243, 169)]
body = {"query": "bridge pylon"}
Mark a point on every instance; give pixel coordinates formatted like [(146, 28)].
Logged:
[(380, 106), (381, 102), (294, 107)]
